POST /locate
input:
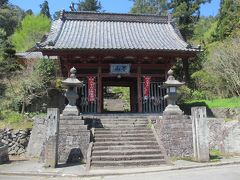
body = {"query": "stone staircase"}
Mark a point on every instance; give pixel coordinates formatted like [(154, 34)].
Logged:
[(125, 141)]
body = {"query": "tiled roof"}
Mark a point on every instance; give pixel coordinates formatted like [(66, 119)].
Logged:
[(88, 30)]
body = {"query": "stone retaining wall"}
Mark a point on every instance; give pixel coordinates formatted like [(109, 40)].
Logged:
[(16, 140), (233, 113), (175, 132), (224, 136)]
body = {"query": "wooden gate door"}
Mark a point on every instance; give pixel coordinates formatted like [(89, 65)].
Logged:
[(155, 102), (83, 102)]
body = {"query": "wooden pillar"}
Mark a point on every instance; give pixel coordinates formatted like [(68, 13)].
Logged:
[(139, 89), (99, 90)]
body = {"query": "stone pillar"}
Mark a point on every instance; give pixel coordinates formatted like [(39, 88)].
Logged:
[(200, 134), (3, 153), (51, 148)]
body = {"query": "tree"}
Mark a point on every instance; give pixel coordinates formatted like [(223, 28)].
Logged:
[(3, 3), (149, 7), (45, 9), (29, 12), (228, 20), (220, 74), (10, 17), (89, 5), (187, 14), (30, 32)]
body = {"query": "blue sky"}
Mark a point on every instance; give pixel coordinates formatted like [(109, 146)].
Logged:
[(117, 6)]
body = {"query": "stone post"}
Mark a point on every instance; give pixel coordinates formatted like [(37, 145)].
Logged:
[(3, 153), (200, 134), (51, 148)]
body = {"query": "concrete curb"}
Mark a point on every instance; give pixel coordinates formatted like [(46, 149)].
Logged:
[(111, 173)]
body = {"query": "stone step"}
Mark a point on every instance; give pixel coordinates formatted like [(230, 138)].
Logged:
[(123, 125), (124, 120), (97, 139), (72, 132), (71, 122), (125, 147), (129, 135), (142, 162), (127, 157), (127, 122), (70, 117), (118, 116), (72, 127), (126, 152), (124, 143), (125, 131)]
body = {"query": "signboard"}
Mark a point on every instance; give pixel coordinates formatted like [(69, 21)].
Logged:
[(120, 68), (91, 89)]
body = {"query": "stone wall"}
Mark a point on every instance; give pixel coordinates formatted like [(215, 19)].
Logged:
[(233, 113), (16, 140), (224, 136), (216, 133), (175, 132), (231, 141), (74, 139)]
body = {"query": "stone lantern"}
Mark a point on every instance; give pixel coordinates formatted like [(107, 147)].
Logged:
[(171, 85), (71, 84)]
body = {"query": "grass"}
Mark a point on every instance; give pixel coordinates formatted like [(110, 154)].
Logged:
[(215, 155), (14, 120), (217, 103)]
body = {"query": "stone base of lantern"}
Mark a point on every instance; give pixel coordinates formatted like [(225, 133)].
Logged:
[(71, 111), (172, 110)]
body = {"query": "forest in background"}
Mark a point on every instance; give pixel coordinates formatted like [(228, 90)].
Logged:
[(214, 74)]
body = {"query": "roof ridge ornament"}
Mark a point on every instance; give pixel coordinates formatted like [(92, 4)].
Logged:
[(169, 16)]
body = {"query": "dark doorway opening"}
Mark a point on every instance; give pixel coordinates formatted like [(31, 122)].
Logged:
[(119, 95), (116, 99)]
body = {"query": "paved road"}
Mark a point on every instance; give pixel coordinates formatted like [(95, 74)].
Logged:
[(231, 172)]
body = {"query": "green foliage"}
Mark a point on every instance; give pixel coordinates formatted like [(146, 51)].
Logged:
[(45, 9), (10, 17), (12, 119), (215, 155), (224, 64), (28, 85), (204, 30), (31, 31), (217, 103), (149, 7), (229, 19), (124, 91), (8, 61), (89, 5), (45, 68), (3, 3), (187, 14)]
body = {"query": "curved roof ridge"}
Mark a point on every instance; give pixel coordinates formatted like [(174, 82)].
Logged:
[(99, 16)]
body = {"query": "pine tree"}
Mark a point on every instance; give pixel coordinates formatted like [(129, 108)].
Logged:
[(3, 2), (89, 5), (187, 14), (149, 7), (45, 9), (228, 20)]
